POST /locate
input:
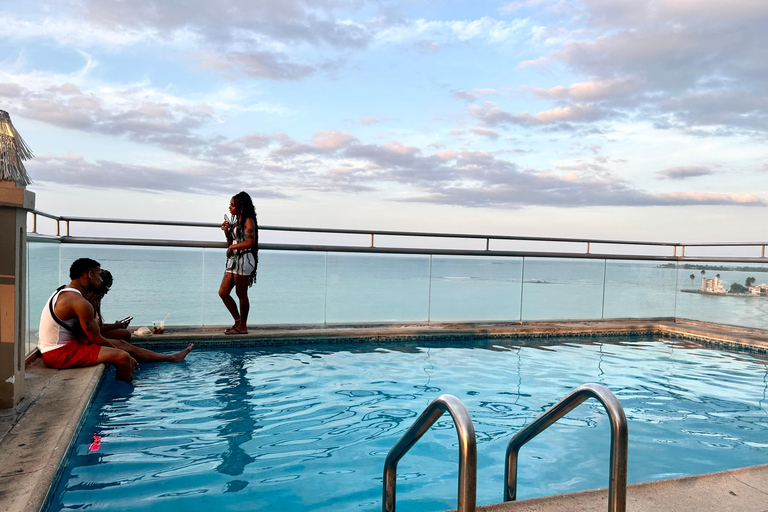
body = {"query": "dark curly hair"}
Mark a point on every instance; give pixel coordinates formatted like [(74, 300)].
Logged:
[(244, 210)]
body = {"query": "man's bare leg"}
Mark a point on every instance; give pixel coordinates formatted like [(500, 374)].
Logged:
[(124, 363), (144, 355)]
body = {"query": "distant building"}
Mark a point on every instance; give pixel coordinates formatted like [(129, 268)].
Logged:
[(761, 289), (713, 285)]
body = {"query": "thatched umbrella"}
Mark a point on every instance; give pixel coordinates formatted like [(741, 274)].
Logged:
[(13, 150)]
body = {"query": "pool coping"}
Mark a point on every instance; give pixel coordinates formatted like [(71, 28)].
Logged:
[(36, 436)]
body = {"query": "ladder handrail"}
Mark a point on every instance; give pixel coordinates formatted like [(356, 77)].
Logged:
[(467, 451), (617, 488)]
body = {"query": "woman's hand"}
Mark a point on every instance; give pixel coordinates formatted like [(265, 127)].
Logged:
[(229, 251), (225, 226)]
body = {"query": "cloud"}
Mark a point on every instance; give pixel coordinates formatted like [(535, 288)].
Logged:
[(73, 169), (494, 116), (485, 132), (683, 172), (472, 95), (692, 66), (367, 121), (333, 160), (591, 91)]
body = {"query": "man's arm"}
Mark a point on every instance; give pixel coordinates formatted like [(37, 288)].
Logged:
[(84, 311)]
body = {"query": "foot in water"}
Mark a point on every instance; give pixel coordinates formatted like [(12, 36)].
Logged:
[(179, 356)]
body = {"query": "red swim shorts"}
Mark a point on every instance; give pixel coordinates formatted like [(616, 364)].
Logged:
[(72, 355)]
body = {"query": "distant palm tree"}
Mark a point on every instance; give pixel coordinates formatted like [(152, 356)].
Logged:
[(750, 281), (717, 276), (703, 272), (692, 276)]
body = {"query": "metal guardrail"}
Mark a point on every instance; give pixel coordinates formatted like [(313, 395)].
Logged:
[(677, 249), (467, 451), (617, 487)]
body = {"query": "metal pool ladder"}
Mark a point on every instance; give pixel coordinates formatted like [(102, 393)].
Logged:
[(617, 487), (467, 451)]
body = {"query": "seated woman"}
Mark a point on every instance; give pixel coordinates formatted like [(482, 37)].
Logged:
[(117, 330)]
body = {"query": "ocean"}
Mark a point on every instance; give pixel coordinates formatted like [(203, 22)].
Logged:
[(296, 287)]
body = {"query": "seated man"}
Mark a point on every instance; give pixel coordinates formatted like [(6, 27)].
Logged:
[(70, 335)]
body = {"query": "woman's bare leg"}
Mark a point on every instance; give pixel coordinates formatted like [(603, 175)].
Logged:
[(143, 355), (241, 289), (227, 283)]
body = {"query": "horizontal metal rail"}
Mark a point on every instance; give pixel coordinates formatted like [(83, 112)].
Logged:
[(372, 248), (617, 486), (206, 244), (467, 451)]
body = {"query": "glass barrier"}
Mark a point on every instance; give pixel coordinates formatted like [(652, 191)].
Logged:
[(289, 289), (377, 288), (306, 288), (149, 282), (562, 289), (702, 293), (639, 289), (43, 277), (475, 288)]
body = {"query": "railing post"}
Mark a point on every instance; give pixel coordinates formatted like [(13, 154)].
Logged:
[(587, 247), (34, 222), (763, 254), (487, 244), (66, 228), (371, 239), (58, 227)]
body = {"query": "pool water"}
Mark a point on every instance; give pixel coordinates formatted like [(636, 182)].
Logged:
[(308, 427)]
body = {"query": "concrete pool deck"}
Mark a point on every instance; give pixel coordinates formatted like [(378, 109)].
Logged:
[(36, 435)]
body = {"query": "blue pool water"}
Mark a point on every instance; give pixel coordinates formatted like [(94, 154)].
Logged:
[(308, 428)]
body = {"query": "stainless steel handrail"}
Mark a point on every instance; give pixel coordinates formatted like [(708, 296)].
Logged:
[(617, 486), (467, 451), (588, 254)]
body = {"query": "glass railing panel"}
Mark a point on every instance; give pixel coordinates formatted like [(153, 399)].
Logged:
[(42, 279), (475, 288), (149, 282), (290, 288), (562, 289), (639, 289), (734, 303), (377, 288)]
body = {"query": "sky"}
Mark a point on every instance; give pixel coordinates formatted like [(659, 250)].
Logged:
[(610, 119)]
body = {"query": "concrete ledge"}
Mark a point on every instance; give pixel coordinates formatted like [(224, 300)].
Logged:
[(738, 490), (34, 442)]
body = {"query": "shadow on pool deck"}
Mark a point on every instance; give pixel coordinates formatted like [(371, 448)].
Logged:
[(35, 436)]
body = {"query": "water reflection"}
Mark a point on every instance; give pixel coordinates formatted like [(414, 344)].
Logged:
[(234, 390)]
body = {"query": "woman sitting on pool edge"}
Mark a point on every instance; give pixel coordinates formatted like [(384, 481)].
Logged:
[(242, 259), (117, 330)]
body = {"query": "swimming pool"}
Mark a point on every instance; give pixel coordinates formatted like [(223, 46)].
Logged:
[(308, 427)]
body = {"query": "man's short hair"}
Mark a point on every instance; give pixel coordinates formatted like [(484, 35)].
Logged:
[(82, 265)]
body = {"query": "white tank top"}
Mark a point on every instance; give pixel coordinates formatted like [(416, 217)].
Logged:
[(52, 335)]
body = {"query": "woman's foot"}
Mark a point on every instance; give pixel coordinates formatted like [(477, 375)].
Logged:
[(235, 330), (179, 356)]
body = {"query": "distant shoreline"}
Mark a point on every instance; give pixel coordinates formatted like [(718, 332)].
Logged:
[(726, 294), (718, 268)]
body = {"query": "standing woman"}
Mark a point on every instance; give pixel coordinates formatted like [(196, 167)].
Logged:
[(242, 260)]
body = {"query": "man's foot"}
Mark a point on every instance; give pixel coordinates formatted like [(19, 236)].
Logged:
[(235, 330), (179, 356)]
